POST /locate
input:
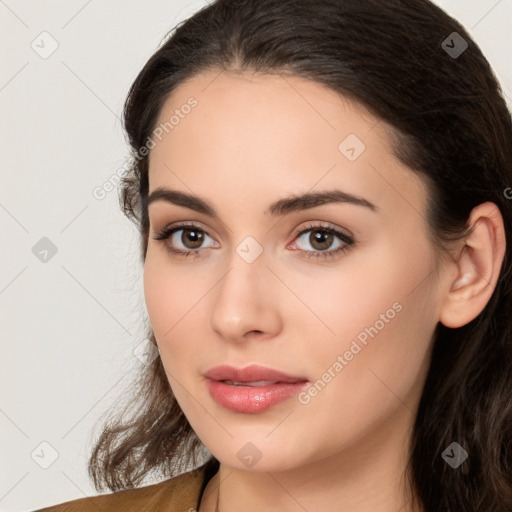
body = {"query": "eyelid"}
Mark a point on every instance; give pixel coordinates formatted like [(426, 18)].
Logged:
[(296, 232), (176, 226), (310, 225)]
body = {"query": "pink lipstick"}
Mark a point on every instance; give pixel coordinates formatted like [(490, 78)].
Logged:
[(252, 389)]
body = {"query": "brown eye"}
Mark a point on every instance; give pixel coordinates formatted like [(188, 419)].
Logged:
[(317, 241), (185, 240), (320, 239), (192, 238)]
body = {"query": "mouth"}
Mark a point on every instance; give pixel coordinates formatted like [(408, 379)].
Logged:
[(252, 384), (253, 389)]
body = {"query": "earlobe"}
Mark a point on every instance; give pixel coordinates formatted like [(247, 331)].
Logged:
[(478, 266)]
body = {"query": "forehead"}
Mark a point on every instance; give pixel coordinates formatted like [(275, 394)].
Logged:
[(252, 103), (271, 132)]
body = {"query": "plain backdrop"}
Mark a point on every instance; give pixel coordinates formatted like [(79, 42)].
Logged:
[(71, 300)]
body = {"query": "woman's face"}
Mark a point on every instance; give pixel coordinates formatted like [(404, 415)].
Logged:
[(348, 314)]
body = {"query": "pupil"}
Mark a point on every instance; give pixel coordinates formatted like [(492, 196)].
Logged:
[(192, 239), (321, 240)]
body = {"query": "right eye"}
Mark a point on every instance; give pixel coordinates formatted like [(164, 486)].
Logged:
[(184, 239)]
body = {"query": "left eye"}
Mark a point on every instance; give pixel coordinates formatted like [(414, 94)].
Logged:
[(322, 239)]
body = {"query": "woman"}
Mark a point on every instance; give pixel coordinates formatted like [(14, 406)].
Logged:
[(323, 195)]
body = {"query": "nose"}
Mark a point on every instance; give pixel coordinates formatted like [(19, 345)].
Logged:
[(246, 302)]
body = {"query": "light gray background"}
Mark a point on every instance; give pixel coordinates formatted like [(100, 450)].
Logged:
[(70, 325)]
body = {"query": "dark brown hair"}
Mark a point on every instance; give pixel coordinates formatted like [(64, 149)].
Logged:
[(450, 124)]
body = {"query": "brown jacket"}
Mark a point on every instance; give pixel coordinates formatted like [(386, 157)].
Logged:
[(179, 494)]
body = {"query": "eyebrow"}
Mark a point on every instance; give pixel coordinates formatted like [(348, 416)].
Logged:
[(278, 208)]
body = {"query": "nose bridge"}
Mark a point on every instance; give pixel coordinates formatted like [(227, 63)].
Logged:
[(243, 302), (247, 268)]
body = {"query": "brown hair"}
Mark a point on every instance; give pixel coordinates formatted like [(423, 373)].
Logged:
[(453, 127)]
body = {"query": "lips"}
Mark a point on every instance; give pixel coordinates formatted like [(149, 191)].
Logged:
[(252, 373), (252, 389)]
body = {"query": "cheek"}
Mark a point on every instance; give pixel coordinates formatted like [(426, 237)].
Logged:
[(343, 301), (169, 302), (373, 372), (371, 284), (177, 303), (383, 314), (169, 294)]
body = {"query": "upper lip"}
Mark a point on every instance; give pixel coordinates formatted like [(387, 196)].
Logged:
[(253, 373)]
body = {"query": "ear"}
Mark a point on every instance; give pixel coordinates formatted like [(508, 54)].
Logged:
[(476, 267)]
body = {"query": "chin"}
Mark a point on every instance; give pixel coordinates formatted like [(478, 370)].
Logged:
[(256, 454)]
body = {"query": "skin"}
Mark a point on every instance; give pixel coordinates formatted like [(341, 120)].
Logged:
[(250, 141)]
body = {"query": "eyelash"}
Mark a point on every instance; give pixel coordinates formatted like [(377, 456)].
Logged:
[(348, 241)]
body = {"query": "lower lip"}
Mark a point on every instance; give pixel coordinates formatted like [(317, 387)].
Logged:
[(252, 399)]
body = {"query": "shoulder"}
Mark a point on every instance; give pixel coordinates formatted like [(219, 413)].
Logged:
[(179, 493)]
